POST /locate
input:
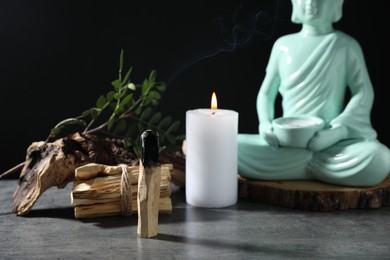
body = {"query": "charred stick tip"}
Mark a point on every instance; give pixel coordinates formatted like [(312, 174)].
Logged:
[(150, 148)]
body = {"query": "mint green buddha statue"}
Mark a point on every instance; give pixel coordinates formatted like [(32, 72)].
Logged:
[(312, 70)]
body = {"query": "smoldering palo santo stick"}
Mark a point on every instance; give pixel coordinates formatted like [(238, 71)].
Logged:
[(149, 185)]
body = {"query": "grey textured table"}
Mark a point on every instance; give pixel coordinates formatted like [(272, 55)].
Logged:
[(244, 231)]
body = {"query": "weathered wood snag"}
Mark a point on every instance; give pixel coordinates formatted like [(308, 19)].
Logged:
[(53, 164)]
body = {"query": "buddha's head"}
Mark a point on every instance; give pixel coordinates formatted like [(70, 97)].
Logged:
[(316, 12)]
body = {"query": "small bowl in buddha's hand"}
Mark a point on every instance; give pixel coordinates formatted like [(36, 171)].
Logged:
[(296, 131)]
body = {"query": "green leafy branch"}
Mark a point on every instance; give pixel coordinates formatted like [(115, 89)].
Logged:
[(128, 108)]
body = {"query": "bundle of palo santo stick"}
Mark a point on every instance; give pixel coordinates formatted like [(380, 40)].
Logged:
[(102, 190)]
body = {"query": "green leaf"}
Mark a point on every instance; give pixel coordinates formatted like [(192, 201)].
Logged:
[(127, 76), (165, 122), (154, 102), (118, 110), (117, 96), (180, 137), (145, 86), (126, 100), (86, 112), (113, 105), (155, 95), (64, 123), (121, 61), (101, 102), (160, 87), (155, 118), (173, 127), (147, 101), (117, 84), (95, 112), (146, 113), (111, 121), (70, 121), (152, 76), (54, 132), (138, 110), (110, 96), (123, 92)]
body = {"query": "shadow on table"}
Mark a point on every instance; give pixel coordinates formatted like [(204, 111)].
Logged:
[(112, 221), (225, 244), (63, 213)]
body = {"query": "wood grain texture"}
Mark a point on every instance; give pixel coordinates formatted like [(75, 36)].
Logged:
[(147, 200), (313, 195), (96, 190)]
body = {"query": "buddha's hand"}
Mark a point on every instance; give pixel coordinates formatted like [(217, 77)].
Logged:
[(327, 137), (270, 137)]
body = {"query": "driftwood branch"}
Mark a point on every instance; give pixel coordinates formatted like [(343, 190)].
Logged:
[(54, 164)]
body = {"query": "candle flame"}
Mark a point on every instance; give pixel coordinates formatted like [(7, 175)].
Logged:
[(214, 104)]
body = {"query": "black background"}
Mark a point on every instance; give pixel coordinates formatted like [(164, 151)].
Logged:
[(57, 57)]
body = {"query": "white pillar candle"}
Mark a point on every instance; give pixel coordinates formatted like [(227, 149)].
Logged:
[(211, 157)]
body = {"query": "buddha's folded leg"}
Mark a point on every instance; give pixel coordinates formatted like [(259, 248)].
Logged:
[(257, 160), (352, 163)]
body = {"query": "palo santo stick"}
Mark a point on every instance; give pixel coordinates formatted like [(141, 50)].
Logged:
[(97, 186), (114, 208), (93, 170), (84, 194), (148, 185), (107, 188)]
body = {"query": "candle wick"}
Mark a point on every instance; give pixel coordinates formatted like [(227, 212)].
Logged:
[(213, 113)]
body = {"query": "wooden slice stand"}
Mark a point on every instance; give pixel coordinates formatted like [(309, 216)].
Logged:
[(313, 195)]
